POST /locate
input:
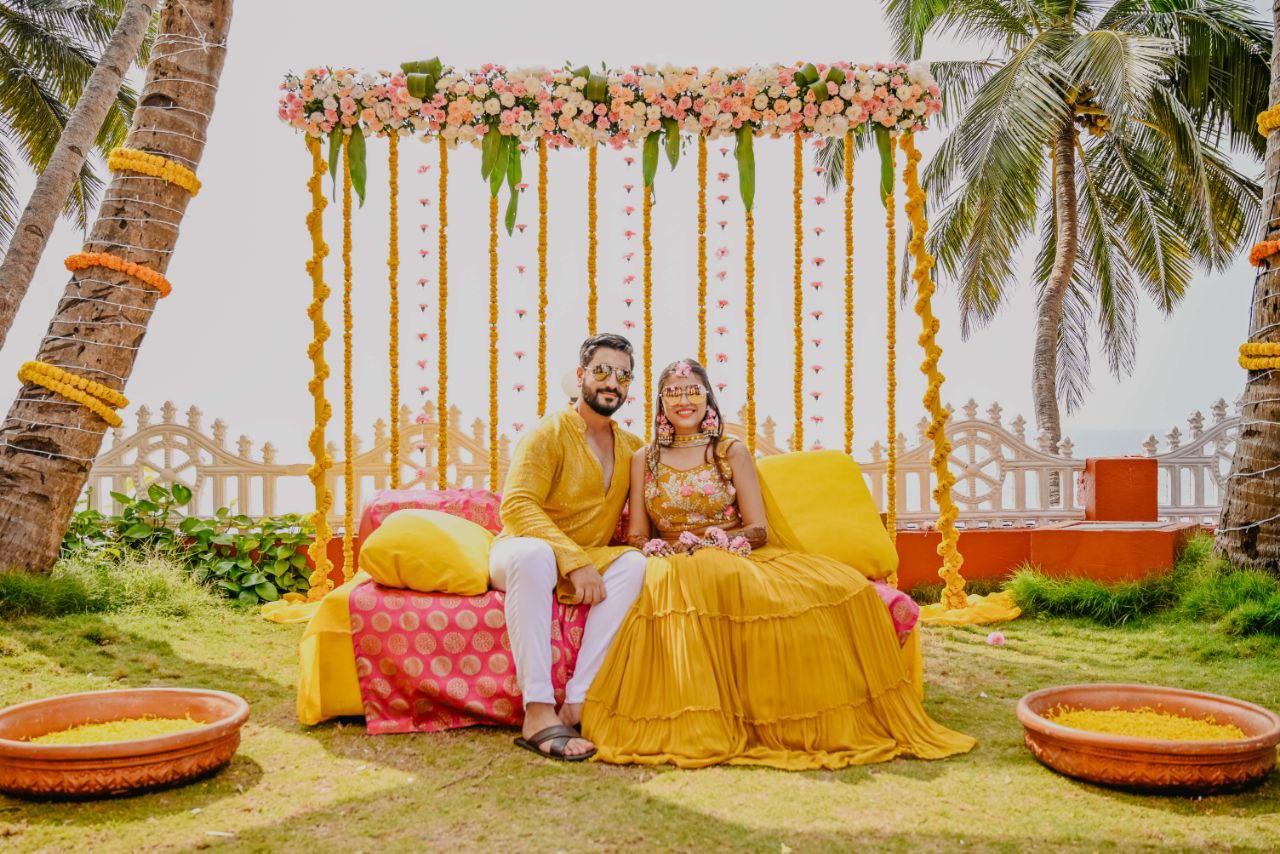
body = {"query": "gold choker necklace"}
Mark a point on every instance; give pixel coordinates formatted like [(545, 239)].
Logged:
[(690, 440)]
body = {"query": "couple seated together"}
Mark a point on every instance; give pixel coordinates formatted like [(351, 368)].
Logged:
[(703, 644)]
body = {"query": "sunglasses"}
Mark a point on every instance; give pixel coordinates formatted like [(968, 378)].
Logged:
[(695, 394), (603, 372)]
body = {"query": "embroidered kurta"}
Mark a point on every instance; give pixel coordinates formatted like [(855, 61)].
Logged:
[(555, 491)]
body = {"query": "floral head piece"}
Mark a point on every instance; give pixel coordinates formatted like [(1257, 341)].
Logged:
[(683, 368)]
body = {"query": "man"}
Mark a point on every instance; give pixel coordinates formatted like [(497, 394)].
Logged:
[(564, 493)]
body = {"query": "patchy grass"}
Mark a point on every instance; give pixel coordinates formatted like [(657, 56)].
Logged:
[(334, 788), (139, 582)]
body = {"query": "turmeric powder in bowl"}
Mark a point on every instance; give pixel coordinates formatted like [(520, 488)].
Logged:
[(128, 729), (1144, 723)]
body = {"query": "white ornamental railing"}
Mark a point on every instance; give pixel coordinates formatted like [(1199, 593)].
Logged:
[(1001, 479)]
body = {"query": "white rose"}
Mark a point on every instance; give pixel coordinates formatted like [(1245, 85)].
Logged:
[(461, 88), (795, 106), (918, 108), (578, 82), (866, 92), (775, 90), (725, 121), (903, 92), (330, 103), (532, 84), (847, 91), (569, 110), (655, 112), (492, 106), (839, 125), (919, 72), (761, 101), (507, 99), (481, 90), (879, 78)]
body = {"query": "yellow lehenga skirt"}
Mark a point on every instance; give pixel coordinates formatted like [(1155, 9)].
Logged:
[(780, 659)]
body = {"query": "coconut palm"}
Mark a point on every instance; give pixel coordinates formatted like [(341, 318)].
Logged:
[(46, 445), (48, 50), (1249, 532), (1099, 133)]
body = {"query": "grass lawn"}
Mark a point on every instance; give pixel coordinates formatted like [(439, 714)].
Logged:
[(334, 788)]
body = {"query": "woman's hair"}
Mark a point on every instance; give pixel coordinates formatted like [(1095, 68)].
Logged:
[(722, 466)]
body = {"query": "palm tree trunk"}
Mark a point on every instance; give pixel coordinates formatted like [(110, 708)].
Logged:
[(54, 184), (47, 444), (1249, 531), (1044, 381)]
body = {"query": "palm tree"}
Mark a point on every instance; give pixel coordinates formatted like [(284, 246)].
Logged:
[(48, 50), (65, 165), (47, 446), (1096, 131), (1249, 532)]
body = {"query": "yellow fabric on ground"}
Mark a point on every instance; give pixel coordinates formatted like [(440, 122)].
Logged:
[(992, 608), (327, 683), (282, 611), (778, 659)]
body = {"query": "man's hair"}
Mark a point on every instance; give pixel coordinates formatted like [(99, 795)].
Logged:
[(607, 340)]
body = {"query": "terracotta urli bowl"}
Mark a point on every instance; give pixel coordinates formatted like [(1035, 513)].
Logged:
[(122, 767), (1152, 765)]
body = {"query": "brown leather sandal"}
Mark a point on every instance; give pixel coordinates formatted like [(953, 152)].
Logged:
[(559, 736)]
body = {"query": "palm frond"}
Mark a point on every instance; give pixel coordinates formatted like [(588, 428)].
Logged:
[(1121, 68), (8, 199), (909, 21)]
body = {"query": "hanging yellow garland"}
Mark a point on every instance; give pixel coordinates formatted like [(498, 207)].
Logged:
[(750, 318), (154, 165), (848, 292), (348, 437), (702, 249), (542, 277), (321, 461), (1269, 120), (141, 272), (94, 396), (648, 312), (442, 329), (891, 350), (1260, 355), (592, 241), (797, 212), (393, 269), (493, 343), (953, 595)]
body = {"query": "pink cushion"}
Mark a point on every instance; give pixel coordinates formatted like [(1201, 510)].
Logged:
[(903, 610), (475, 505)]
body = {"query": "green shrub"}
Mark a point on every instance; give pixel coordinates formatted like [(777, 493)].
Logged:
[(1256, 617), (251, 560), (1109, 604), (139, 582)]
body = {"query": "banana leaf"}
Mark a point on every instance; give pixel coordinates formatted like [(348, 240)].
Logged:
[(580, 71), (745, 154), (514, 177), (835, 75), (421, 86), (500, 164), (489, 145), (807, 75), (597, 89), (886, 164), (672, 142), (335, 156), (359, 168), (819, 90), (649, 159)]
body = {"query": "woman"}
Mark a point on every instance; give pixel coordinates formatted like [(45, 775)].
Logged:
[(736, 651)]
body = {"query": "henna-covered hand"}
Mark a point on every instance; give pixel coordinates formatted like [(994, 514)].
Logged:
[(757, 535)]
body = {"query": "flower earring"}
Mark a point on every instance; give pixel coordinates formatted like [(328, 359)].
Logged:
[(711, 422), (666, 432)]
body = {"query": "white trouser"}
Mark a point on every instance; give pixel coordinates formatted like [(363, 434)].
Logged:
[(525, 567)]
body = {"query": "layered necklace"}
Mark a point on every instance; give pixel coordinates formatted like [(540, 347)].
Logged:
[(691, 440)]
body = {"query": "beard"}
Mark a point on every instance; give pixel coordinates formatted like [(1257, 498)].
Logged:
[(591, 397)]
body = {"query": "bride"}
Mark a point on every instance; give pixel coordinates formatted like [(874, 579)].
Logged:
[(737, 651)]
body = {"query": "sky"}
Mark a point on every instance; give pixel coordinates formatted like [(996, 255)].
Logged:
[(232, 337)]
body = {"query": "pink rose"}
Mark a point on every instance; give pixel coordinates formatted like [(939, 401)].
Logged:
[(996, 638)]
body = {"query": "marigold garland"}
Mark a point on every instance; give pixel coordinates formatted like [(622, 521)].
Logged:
[(1269, 120), (592, 241), (648, 312), (348, 436), (442, 328), (94, 396), (848, 292), (797, 212), (702, 248), (144, 274), (542, 278), (953, 593), (145, 163), (750, 318), (1263, 250), (1259, 355), (321, 461), (891, 350), (393, 270), (493, 343)]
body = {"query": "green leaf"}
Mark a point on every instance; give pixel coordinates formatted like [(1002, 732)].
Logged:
[(649, 158), (421, 86), (835, 75), (248, 597), (281, 566), (500, 165), (489, 144), (229, 586), (283, 552), (122, 498), (267, 591), (141, 529), (181, 494), (190, 524), (359, 169), (335, 154), (583, 71), (886, 164), (146, 507), (223, 567), (806, 75), (672, 142), (597, 89), (253, 578), (745, 154), (819, 91), (157, 493), (299, 560)]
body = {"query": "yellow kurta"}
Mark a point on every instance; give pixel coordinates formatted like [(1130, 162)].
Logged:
[(555, 491)]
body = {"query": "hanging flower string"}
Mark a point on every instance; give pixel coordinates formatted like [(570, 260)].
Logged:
[(848, 293), (891, 348), (493, 343), (750, 323), (702, 248), (318, 551), (592, 242), (144, 274), (1260, 355), (1263, 251), (132, 160), (393, 271), (648, 311), (542, 277), (348, 403), (442, 338), (95, 397), (797, 211)]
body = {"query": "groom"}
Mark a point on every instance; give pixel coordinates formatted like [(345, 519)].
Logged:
[(564, 493)]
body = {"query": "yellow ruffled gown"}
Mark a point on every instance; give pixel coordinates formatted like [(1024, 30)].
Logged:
[(779, 658)]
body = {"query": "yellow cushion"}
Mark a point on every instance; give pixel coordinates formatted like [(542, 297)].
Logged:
[(328, 686), (428, 551), (818, 502)]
